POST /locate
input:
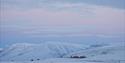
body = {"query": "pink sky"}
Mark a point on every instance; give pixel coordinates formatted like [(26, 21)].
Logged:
[(98, 19)]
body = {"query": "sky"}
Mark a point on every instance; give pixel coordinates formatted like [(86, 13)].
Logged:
[(61, 20)]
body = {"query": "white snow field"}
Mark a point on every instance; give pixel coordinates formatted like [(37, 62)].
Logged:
[(62, 53)]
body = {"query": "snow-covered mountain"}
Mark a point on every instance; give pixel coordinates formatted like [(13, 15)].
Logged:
[(116, 52), (58, 52), (27, 52)]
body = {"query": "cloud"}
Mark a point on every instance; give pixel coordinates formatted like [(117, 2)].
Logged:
[(90, 19)]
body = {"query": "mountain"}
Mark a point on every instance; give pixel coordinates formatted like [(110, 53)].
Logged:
[(114, 52), (57, 52), (27, 52)]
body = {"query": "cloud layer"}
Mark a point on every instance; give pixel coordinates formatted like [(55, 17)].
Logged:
[(53, 18)]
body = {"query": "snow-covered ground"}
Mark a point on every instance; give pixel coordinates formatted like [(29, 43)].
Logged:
[(57, 52)]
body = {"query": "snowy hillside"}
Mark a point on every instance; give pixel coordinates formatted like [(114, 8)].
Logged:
[(102, 53), (63, 53), (27, 52)]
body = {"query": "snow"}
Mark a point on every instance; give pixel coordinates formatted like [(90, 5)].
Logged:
[(57, 52), (24, 51), (66, 60)]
